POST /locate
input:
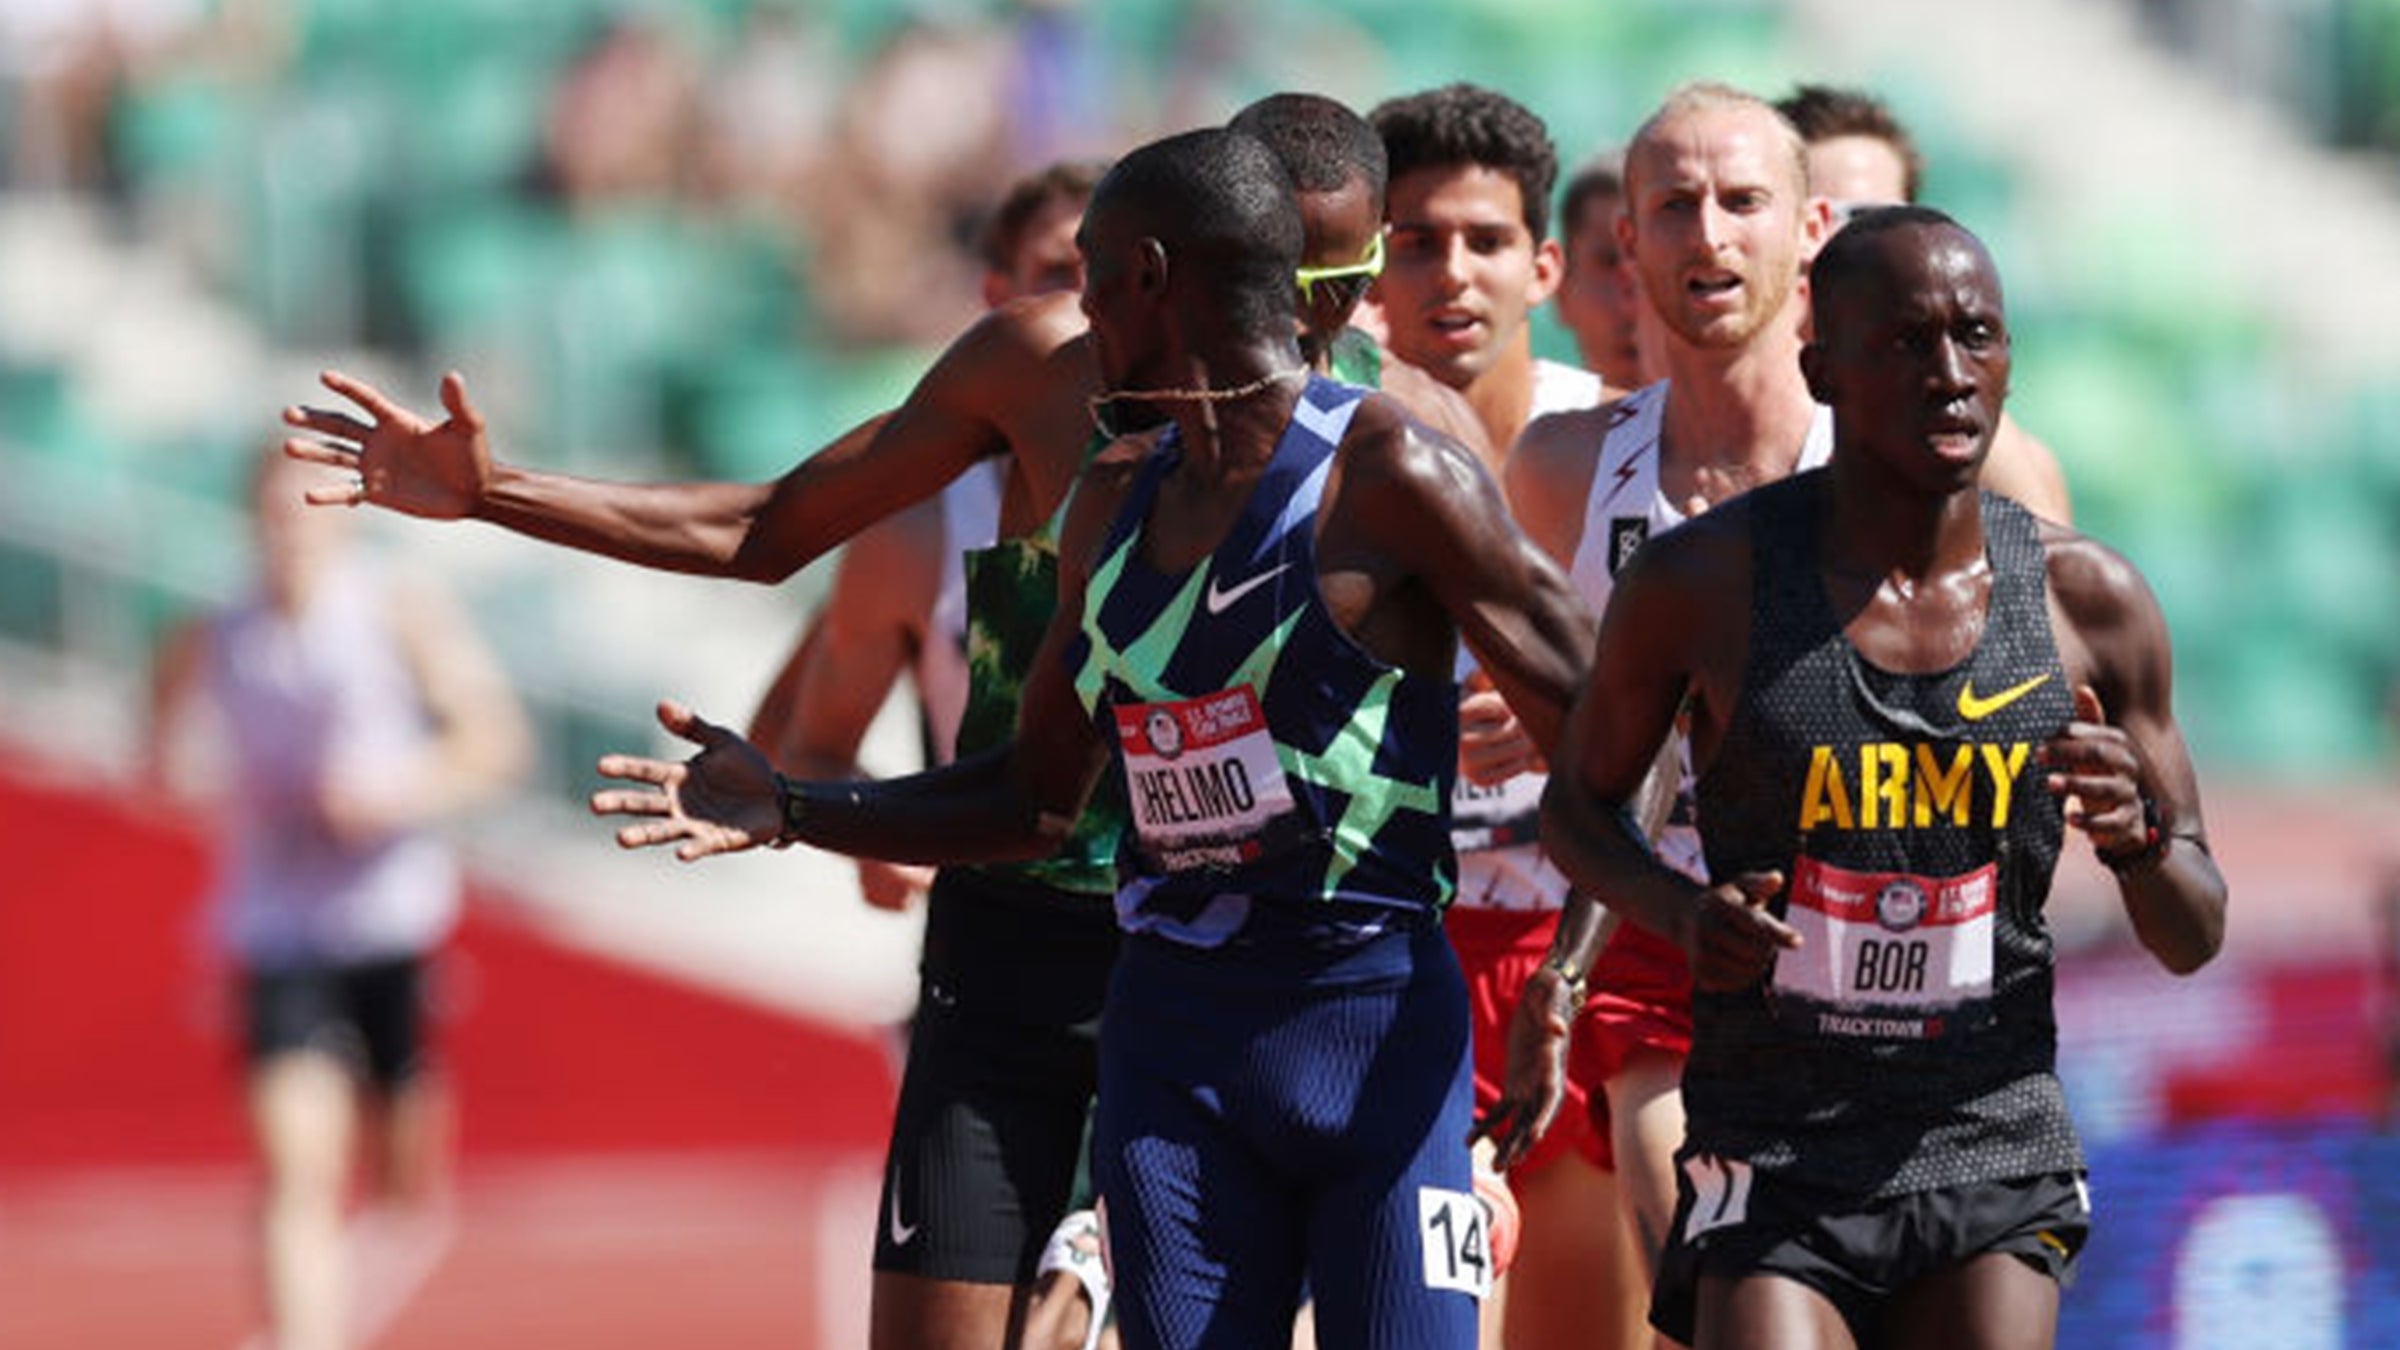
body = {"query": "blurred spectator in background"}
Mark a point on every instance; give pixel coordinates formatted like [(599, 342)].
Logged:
[(1599, 297), (1057, 85), (61, 62), (624, 121), (65, 66), (355, 713), (1861, 156), (768, 111), (922, 148)]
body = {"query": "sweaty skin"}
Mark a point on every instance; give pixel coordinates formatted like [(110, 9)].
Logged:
[(1414, 539), (1014, 384), (1913, 358)]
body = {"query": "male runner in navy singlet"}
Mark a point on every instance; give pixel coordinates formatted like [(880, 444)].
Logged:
[(1257, 628)]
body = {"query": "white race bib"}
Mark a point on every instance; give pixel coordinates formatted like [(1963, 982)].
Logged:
[(1497, 816), (1202, 778), (1458, 1250), (1886, 955)]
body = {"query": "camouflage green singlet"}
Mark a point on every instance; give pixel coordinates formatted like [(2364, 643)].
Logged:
[(1012, 590)]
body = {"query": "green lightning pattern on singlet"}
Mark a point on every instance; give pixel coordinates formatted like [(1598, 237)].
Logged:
[(1358, 359), (1348, 731), (1347, 764), (1351, 759)]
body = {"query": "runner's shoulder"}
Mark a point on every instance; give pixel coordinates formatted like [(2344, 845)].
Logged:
[(1385, 443), (1559, 442), (1433, 403), (2095, 585), (1100, 491), (1015, 341)]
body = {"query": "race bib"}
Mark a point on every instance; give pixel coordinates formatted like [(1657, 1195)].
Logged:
[(1887, 955), (1497, 816), (1458, 1251), (1202, 777), (1497, 832)]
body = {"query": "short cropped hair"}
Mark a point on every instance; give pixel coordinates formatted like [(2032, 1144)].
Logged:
[(1822, 112), (1004, 232), (1221, 201), (1709, 96), (1602, 177), (1846, 255), (1322, 143), (1469, 125)]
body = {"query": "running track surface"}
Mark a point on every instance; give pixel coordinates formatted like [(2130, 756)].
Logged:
[(643, 1163)]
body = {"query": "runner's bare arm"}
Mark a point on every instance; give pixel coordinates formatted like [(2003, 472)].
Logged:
[(1016, 801), (1548, 477), (770, 727), (1438, 406), (1429, 506), (2124, 749), (1665, 634), (872, 625), (856, 648), (1650, 652), (482, 741), (1014, 379), (175, 677)]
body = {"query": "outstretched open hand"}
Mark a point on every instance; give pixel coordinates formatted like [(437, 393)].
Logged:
[(721, 800), (438, 470)]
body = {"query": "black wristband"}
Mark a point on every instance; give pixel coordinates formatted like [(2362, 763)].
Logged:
[(2155, 843), (790, 808)]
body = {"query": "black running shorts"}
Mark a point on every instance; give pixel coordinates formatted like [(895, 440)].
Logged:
[(989, 1135), (1856, 1253), (372, 1015)]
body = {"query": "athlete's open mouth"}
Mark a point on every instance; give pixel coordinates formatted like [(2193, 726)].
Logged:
[(1954, 424), (1954, 437)]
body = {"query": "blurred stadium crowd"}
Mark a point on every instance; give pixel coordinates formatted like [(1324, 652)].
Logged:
[(693, 240), (696, 239)]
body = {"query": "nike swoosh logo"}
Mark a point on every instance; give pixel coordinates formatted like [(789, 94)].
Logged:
[(900, 1232), (1976, 709), (1219, 601)]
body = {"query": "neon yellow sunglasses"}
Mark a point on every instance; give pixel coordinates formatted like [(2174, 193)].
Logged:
[(1346, 282)]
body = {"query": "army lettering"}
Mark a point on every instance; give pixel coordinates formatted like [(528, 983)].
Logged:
[(1894, 786)]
